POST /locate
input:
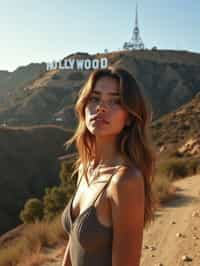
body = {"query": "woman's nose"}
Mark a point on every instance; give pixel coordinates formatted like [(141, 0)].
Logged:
[(101, 106)]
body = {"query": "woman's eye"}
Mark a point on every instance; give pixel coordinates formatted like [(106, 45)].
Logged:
[(94, 99), (115, 101)]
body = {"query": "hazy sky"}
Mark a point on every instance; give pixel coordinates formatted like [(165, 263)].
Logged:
[(42, 31)]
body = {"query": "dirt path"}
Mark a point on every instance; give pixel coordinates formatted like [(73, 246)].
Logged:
[(161, 245)]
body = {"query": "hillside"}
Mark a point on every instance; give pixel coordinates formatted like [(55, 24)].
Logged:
[(168, 78), (11, 82), (29, 164), (178, 132), (29, 154)]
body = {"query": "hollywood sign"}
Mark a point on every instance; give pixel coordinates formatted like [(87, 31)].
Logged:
[(78, 64)]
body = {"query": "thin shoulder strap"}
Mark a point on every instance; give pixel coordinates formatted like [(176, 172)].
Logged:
[(104, 187)]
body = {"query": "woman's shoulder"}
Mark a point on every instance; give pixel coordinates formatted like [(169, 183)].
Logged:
[(125, 177), (126, 172)]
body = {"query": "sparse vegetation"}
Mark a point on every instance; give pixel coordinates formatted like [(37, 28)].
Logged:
[(163, 188), (48, 233), (28, 249), (179, 167), (54, 199)]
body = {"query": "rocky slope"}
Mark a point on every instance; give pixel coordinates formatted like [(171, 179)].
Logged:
[(11, 82), (178, 131)]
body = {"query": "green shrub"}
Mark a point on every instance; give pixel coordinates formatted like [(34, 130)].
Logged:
[(54, 201), (33, 211)]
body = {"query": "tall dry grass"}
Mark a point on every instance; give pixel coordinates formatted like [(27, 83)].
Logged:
[(29, 248)]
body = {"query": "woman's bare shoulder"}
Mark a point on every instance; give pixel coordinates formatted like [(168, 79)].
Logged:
[(125, 173), (125, 176)]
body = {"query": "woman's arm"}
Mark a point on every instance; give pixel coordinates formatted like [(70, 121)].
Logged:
[(127, 203), (66, 260)]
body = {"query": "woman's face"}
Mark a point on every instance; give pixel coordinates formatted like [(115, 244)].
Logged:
[(104, 102)]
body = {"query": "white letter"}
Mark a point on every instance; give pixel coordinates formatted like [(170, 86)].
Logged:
[(87, 64), (71, 62), (49, 66), (65, 64), (54, 63), (95, 63), (60, 65), (79, 64), (104, 62)]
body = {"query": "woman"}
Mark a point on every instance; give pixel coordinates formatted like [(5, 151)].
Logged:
[(113, 201)]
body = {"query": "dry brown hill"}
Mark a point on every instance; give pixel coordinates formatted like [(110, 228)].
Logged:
[(11, 82), (168, 78), (178, 132)]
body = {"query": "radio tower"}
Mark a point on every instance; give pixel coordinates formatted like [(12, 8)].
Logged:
[(136, 41)]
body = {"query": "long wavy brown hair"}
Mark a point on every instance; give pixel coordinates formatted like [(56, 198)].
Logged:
[(134, 141)]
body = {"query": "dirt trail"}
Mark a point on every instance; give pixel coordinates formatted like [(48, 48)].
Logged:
[(161, 245), (168, 248)]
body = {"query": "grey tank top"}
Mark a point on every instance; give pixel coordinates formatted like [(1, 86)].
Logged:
[(91, 241)]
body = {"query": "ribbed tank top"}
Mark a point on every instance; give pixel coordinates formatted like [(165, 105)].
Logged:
[(91, 241)]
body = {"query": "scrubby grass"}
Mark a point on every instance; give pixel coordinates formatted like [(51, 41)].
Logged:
[(175, 168), (163, 188), (28, 249), (170, 170), (35, 259), (11, 255)]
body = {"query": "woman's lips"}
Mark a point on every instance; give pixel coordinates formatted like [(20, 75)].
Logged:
[(100, 119)]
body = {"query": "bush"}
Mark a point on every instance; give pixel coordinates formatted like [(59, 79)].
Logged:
[(179, 167), (66, 174), (173, 168), (54, 201), (162, 188), (176, 154), (33, 211), (194, 165)]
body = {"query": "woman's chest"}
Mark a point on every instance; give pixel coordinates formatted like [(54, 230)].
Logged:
[(96, 195)]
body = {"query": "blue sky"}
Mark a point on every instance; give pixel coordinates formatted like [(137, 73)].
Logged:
[(42, 31)]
